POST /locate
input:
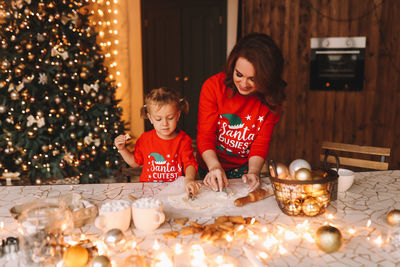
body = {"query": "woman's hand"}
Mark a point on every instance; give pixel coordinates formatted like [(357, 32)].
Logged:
[(192, 187), (216, 179), (119, 142), (252, 179)]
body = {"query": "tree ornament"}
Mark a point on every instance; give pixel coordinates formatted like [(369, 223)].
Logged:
[(45, 148), (72, 118), (328, 238), (293, 207), (101, 261), (2, 109), (393, 217), (57, 100), (83, 75), (114, 238), (298, 164), (50, 129), (303, 174), (76, 256), (310, 206), (42, 78)]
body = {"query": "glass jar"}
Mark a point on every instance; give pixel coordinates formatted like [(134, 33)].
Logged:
[(42, 227)]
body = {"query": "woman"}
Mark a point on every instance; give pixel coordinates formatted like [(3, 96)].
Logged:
[(238, 110)]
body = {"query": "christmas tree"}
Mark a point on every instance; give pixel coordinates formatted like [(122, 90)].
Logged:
[(58, 112)]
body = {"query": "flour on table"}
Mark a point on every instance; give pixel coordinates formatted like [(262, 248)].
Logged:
[(207, 198)]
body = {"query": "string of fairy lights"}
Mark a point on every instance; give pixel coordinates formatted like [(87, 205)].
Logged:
[(105, 20)]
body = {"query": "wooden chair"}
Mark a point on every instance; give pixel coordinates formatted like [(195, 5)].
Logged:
[(348, 150)]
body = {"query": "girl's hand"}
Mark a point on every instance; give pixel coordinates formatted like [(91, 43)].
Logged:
[(119, 142), (192, 187), (252, 179), (216, 179)]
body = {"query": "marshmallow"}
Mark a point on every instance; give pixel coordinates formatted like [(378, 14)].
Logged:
[(113, 206), (147, 203)]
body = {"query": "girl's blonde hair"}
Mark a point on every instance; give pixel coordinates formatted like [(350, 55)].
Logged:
[(162, 96)]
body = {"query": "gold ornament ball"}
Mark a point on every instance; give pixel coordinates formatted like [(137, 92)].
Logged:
[(76, 256), (293, 207), (14, 95), (303, 174), (393, 217), (311, 188), (328, 238), (50, 130), (281, 169), (298, 164), (83, 75), (101, 261), (310, 206), (45, 148), (318, 193)]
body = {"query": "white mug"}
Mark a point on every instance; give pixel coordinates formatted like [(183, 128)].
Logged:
[(346, 179), (114, 214), (147, 214)]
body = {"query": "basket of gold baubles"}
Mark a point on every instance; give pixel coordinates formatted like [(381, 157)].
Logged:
[(302, 191)]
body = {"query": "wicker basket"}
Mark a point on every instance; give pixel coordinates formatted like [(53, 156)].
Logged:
[(305, 198)]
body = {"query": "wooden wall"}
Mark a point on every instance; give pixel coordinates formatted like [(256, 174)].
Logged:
[(368, 117)]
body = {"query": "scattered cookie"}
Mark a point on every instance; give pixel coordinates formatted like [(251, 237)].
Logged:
[(237, 219), (189, 230), (181, 221), (221, 219), (206, 235), (197, 225), (227, 226), (171, 234)]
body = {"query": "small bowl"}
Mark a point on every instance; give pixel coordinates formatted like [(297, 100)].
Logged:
[(346, 179)]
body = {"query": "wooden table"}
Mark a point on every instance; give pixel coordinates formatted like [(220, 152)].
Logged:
[(279, 240)]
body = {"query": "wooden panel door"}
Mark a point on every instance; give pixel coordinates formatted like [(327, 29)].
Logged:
[(184, 42)]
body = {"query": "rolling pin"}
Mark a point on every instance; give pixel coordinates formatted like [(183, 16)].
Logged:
[(253, 196)]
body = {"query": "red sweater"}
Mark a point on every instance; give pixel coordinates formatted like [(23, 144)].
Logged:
[(237, 127), (163, 160)]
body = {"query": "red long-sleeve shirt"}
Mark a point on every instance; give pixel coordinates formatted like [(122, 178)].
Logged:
[(163, 160), (237, 127)]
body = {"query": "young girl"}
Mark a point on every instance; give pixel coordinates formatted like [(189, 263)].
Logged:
[(165, 152)]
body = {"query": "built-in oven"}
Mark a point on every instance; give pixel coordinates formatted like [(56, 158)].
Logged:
[(337, 63)]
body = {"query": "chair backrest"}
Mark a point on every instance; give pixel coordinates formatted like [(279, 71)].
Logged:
[(341, 148)]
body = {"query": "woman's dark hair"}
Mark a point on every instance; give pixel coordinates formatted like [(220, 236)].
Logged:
[(265, 56)]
